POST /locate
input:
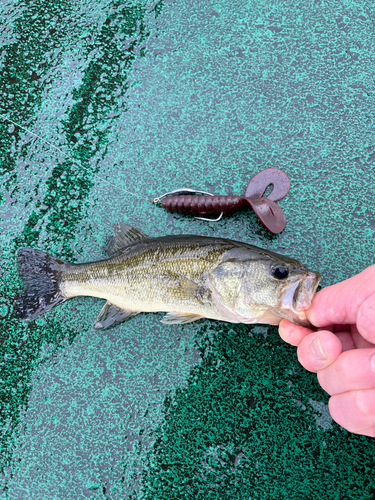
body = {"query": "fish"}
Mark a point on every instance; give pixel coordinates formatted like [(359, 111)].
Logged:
[(187, 276)]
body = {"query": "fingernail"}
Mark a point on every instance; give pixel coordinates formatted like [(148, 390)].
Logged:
[(317, 349), (372, 362)]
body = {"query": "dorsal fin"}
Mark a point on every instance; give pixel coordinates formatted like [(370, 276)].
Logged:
[(124, 235)]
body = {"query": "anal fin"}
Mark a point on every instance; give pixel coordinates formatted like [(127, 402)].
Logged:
[(177, 318), (111, 315)]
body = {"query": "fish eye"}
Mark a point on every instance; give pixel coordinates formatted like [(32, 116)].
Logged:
[(280, 271)]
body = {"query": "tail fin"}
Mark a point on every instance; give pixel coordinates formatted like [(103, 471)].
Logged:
[(41, 277)]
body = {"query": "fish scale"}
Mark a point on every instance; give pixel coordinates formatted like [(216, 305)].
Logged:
[(131, 278)]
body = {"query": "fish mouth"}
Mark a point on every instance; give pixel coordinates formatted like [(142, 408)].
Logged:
[(298, 297), (305, 291)]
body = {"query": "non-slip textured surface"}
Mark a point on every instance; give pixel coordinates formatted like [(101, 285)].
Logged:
[(105, 104)]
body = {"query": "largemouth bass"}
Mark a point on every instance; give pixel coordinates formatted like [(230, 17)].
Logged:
[(189, 277)]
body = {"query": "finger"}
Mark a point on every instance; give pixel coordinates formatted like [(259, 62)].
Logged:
[(318, 350), (366, 318), (354, 410), (367, 432), (358, 341), (351, 371), (346, 340), (340, 303), (291, 333)]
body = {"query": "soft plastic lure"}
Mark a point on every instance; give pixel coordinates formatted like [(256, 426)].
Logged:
[(183, 201)]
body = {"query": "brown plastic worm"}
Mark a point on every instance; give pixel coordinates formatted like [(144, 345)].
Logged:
[(204, 205), (268, 212)]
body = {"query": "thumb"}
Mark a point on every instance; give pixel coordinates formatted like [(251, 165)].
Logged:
[(349, 302)]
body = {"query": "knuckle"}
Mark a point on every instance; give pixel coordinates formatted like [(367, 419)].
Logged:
[(366, 317), (345, 365), (336, 315), (361, 402), (368, 306)]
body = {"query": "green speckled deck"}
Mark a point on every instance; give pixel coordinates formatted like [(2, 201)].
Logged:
[(105, 104)]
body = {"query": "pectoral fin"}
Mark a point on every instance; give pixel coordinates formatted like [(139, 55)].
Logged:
[(269, 318), (176, 318), (124, 235), (111, 315), (183, 289)]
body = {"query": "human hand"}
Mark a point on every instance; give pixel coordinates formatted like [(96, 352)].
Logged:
[(342, 351)]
